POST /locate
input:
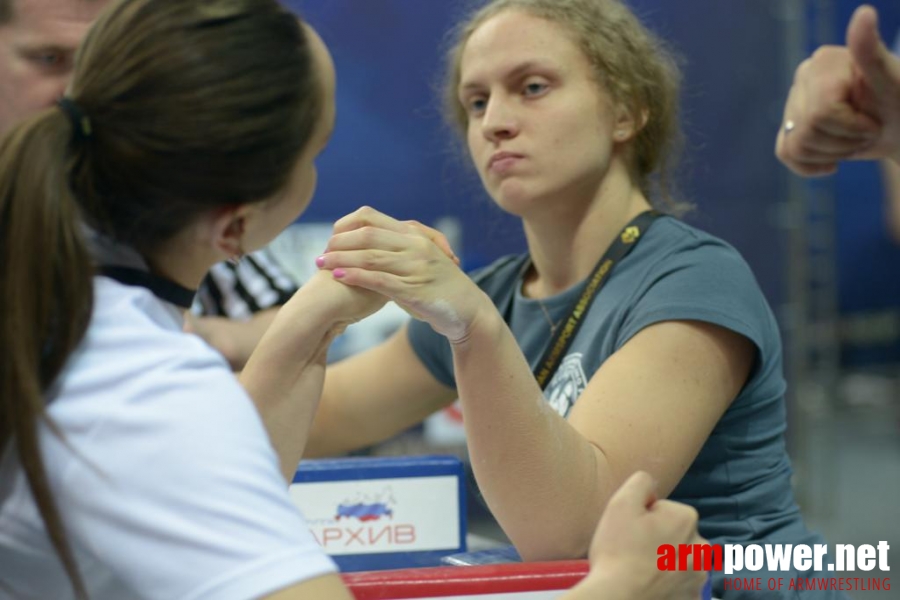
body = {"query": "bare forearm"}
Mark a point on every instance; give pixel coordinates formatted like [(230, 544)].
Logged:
[(544, 482), (285, 373), (287, 406)]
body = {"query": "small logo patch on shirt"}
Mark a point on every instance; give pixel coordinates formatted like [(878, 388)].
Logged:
[(567, 384)]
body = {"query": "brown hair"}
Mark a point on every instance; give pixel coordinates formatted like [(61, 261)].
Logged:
[(630, 63), (193, 105)]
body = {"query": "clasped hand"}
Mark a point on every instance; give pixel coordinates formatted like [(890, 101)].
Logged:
[(407, 262)]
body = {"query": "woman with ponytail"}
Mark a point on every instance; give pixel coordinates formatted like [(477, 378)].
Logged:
[(133, 463)]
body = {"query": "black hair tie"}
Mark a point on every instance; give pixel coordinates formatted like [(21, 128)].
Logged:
[(81, 124)]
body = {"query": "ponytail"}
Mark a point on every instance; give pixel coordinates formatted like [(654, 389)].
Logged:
[(248, 64), (46, 296)]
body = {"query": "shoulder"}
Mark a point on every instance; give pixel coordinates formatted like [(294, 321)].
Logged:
[(674, 246), (683, 273), (135, 358), (131, 328), (676, 234)]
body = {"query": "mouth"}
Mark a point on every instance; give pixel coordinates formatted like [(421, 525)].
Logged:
[(502, 162)]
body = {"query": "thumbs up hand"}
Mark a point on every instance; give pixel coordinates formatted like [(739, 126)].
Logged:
[(844, 103)]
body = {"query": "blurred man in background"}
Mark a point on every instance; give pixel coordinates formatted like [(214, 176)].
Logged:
[(38, 40)]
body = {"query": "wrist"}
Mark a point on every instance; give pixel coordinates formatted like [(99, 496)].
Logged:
[(483, 326), (313, 304), (306, 322)]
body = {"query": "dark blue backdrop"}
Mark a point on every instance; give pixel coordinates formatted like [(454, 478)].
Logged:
[(868, 260), (391, 151)]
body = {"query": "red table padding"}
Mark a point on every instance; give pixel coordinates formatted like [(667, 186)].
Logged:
[(460, 581)]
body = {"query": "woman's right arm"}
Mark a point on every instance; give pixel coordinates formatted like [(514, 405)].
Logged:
[(285, 373), (361, 401)]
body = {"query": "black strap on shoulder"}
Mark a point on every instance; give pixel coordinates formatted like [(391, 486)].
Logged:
[(164, 289)]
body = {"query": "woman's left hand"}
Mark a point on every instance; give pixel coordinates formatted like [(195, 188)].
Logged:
[(408, 262)]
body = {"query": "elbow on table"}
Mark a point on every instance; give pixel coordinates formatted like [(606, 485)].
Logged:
[(558, 547)]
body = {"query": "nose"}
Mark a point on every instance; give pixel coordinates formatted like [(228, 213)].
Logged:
[(499, 121)]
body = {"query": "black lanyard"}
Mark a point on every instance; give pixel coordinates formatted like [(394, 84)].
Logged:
[(563, 337), (162, 288)]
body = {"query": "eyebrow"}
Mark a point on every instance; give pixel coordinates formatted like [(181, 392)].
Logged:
[(514, 73), (37, 46)]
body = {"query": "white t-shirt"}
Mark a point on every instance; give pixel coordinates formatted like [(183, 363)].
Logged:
[(167, 482)]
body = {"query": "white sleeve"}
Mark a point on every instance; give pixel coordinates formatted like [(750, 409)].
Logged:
[(179, 493)]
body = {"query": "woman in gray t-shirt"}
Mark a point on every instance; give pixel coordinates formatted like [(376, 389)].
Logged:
[(663, 358)]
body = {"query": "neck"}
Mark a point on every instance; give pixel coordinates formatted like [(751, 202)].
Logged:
[(565, 246), (181, 262)]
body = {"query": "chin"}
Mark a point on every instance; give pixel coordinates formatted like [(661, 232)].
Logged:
[(517, 198)]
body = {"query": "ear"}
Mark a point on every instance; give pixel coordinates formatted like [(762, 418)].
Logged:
[(226, 229), (626, 127)]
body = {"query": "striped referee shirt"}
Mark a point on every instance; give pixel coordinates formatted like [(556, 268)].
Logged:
[(238, 291)]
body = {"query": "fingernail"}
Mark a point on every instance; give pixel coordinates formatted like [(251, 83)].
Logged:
[(338, 273), (320, 262)]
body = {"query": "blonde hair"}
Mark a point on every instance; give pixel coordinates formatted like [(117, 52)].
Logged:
[(630, 63)]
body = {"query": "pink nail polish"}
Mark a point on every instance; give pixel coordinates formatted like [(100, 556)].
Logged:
[(338, 273), (320, 262)]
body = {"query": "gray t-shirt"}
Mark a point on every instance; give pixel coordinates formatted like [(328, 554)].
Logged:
[(740, 481)]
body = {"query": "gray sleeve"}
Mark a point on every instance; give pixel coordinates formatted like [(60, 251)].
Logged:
[(710, 282), (433, 350)]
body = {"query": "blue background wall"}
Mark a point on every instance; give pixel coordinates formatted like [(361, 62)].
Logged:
[(390, 149), (868, 260)]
